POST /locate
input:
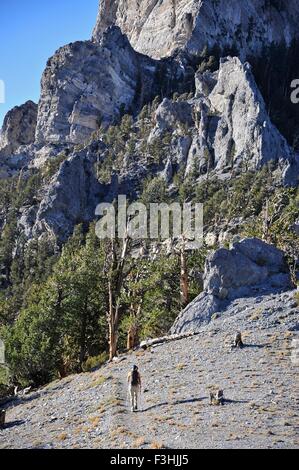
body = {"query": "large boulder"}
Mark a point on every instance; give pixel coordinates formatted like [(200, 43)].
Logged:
[(250, 264), (249, 269)]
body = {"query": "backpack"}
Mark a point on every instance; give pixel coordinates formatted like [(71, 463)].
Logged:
[(135, 378)]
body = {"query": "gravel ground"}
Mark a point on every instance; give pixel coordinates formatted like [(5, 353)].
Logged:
[(260, 384)]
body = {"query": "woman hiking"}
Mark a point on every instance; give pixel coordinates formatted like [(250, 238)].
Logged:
[(134, 387)]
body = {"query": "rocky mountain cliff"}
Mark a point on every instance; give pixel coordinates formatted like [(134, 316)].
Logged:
[(18, 128), (212, 120), (159, 28), (87, 84), (223, 128), (92, 84)]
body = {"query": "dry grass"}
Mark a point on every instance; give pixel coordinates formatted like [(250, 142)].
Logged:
[(35, 444), (98, 380), (113, 401), (94, 420), (139, 353), (138, 443), (120, 430), (62, 437), (81, 429), (157, 445), (256, 315), (162, 419)]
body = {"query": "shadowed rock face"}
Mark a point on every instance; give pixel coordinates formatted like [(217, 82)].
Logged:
[(87, 84), (158, 28), (70, 198), (18, 128), (250, 269)]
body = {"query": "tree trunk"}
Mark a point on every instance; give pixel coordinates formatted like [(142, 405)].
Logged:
[(184, 279), (82, 356), (266, 223), (133, 332), (113, 338), (131, 338), (111, 324), (115, 284)]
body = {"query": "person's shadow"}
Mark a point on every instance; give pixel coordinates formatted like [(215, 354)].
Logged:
[(12, 424), (175, 403), (226, 401)]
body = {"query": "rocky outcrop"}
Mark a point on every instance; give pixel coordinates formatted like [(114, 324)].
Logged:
[(227, 125), (87, 84), (18, 128), (159, 28), (249, 269), (153, 27), (250, 263), (236, 128), (169, 115), (70, 198)]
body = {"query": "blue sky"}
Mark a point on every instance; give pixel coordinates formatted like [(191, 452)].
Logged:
[(30, 32)]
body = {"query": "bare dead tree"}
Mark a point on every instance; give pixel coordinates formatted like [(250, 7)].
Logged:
[(116, 276), (133, 331), (184, 279), (180, 248)]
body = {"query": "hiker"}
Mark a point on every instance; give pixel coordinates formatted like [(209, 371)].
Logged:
[(134, 382), (238, 342), (217, 398)]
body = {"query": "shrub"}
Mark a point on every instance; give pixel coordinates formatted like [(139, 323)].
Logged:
[(95, 362)]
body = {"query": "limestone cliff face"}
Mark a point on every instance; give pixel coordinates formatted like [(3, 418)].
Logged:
[(222, 128), (230, 125), (71, 196), (154, 27), (228, 131), (18, 128), (87, 84), (159, 27)]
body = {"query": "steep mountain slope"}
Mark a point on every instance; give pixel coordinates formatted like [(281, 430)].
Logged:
[(260, 385), (158, 28), (223, 128)]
